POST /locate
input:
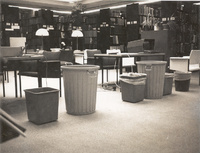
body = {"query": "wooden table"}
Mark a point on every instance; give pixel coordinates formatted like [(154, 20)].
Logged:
[(15, 63), (119, 58)]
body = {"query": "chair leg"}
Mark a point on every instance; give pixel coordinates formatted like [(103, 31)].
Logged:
[(199, 77), (7, 76), (20, 85), (107, 74), (3, 85), (60, 87)]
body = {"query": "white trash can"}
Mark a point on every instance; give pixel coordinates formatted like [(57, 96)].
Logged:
[(80, 86), (155, 71)]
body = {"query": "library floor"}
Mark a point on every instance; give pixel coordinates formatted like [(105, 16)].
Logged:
[(167, 125)]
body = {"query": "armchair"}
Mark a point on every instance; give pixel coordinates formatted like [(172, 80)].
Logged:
[(49, 67), (6, 52), (186, 63), (104, 62)]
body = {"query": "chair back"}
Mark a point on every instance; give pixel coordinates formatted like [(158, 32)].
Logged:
[(10, 51), (90, 56), (49, 69), (195, 57)]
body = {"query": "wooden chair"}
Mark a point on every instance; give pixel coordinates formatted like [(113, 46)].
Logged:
[(108, 63), (2, 75), (40, 69), (186, 63)]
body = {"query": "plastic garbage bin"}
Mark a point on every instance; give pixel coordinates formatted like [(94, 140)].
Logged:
[(155, 71), (182, 81), (168, 83), (42, 104), (80, 86), (133, 86)]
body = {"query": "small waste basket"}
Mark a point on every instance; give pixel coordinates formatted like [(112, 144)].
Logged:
[(133, 86), (168, 83), (42, 104), (80, 86), (182, 81), (155, 71)]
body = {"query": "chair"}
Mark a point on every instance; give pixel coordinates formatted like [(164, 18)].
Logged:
[(66, 57), (6, 52), (46, 68), (2, 75), (186, 63), (108, 63)]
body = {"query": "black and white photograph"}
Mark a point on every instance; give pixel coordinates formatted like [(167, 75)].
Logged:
[(99, 76)]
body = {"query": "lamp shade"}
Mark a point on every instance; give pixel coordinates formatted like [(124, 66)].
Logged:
[(77, 33), (42, 32)]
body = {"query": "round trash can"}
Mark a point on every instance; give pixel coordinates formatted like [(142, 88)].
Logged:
[(155, 71), (168, 83), (132, 86), (182, 81), (80, 86)]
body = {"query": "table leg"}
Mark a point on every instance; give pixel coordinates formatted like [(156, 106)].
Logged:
[(120, 65), (15, 74), (102, 71), (39, 81)]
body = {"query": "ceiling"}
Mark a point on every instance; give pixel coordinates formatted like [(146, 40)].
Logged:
[(66, 6)]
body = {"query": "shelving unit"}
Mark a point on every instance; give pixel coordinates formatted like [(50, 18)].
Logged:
[(112, 30), (90, 30), (10, 24), (107, 29), (187, 21)]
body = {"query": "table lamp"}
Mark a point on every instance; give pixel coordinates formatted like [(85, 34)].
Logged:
[(42, 32), (77, 33)]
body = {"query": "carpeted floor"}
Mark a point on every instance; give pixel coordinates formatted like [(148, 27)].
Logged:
[(167, 125)]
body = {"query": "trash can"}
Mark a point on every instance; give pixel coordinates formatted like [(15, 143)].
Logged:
[(42, 104), (155, 71), (168, 83), (133, 86), (80, 86), (182, 81)]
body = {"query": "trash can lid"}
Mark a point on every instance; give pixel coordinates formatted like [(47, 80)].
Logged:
[(133, 75), (80, 67), (151, 62)]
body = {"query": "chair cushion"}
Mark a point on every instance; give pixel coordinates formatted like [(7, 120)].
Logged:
[(194, 67)]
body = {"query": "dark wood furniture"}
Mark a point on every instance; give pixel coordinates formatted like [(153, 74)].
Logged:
[(119, 58)]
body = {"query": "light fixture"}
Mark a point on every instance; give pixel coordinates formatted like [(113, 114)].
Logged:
[(148, 2), (26, 8), (62, 12), (77, 33), (42, 32)]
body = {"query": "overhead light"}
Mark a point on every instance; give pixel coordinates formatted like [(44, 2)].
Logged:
[(91, 11), (27, 8), (97, 10), (148, 1), (196, 3), (62, 12), (69, 1), (116, 7)]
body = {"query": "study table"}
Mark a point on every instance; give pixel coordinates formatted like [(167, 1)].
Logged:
[(14, 64), (119, 57)]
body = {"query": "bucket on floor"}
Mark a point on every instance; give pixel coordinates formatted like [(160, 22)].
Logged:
[(168, 83), (133, 86), (80, 86), (182, 81), (42, 104), (155, 71)]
